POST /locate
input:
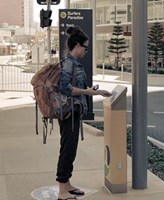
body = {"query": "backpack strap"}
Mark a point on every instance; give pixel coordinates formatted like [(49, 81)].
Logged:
[(72, 106), (45, 129), (81, 128), (36, 118)]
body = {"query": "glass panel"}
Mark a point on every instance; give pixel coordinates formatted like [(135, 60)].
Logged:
[(100, 16), (80, 5), (110, 14), (129, 2), (129, 13), (150, 11), (112, 2), (163, 9), (158, 10), (121, 13), (107, 15), (99, 51), (121, 1)]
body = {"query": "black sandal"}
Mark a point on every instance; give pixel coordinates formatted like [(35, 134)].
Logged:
[(76, 191)]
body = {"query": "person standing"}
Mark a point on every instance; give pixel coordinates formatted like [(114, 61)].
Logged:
[(77, 44)]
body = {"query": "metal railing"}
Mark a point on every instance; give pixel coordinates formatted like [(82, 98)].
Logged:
[(17, 77)]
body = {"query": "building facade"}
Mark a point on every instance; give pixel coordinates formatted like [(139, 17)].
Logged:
[(12, 12), (109, 11), (16, 22), (16, 13)]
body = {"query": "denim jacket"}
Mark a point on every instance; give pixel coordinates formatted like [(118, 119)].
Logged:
[(69, 66)]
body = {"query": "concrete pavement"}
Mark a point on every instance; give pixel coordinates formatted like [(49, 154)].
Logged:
[(26, 164)]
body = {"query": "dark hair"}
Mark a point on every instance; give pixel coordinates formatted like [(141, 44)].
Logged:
[(75, 35)]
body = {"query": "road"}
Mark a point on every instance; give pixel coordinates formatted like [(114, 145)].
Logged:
[(155, 113), (14, 79)]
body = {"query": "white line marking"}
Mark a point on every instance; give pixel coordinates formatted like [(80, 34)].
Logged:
[(158, 112), (98, 110), (101, 110), (129, 111), (149, 126)]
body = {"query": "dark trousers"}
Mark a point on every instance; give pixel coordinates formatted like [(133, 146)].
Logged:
[(68, 147)]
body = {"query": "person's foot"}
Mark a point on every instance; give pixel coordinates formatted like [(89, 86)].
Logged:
[(66, 196), (76, 191), (73, 190)]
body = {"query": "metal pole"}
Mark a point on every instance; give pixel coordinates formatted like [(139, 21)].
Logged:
[(139, 94), (93, 6), (2, 78), (49, 35), (38, 59)]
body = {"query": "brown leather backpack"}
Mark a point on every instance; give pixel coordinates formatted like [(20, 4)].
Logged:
[(52, 104)]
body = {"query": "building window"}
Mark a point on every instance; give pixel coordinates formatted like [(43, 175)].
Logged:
[(80, 5), (158, 10), (100, 15), (150, 11), (129, 13), (110, 14), (121, 2), (121, 14)]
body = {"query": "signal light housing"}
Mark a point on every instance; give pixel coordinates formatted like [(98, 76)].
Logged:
[(55, 2), (45, 20), (44, 2)]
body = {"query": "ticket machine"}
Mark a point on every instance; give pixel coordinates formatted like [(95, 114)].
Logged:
[(115, 141)]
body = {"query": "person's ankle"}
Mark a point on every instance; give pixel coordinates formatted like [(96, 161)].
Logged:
[(63, 187)]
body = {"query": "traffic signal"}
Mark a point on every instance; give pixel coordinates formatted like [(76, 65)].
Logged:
[(44, 2), (45, 20)]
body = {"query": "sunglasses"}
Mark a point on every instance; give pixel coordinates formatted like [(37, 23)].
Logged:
[(86, 47)]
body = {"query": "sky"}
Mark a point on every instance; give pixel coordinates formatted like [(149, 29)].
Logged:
[(54, 9)]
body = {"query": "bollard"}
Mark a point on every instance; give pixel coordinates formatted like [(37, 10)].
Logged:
[(103, 70)]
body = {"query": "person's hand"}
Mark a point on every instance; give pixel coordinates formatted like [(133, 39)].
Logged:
[(103, 93)]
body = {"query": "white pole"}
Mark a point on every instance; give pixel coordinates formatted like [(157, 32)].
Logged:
[(103, 70), (38, 58), (122, 71), (93, 7), (49, 35)]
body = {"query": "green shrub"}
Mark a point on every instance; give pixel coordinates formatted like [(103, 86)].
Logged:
[(155, 155)]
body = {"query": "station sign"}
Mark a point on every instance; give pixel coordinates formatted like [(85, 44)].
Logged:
[(83, 19)]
